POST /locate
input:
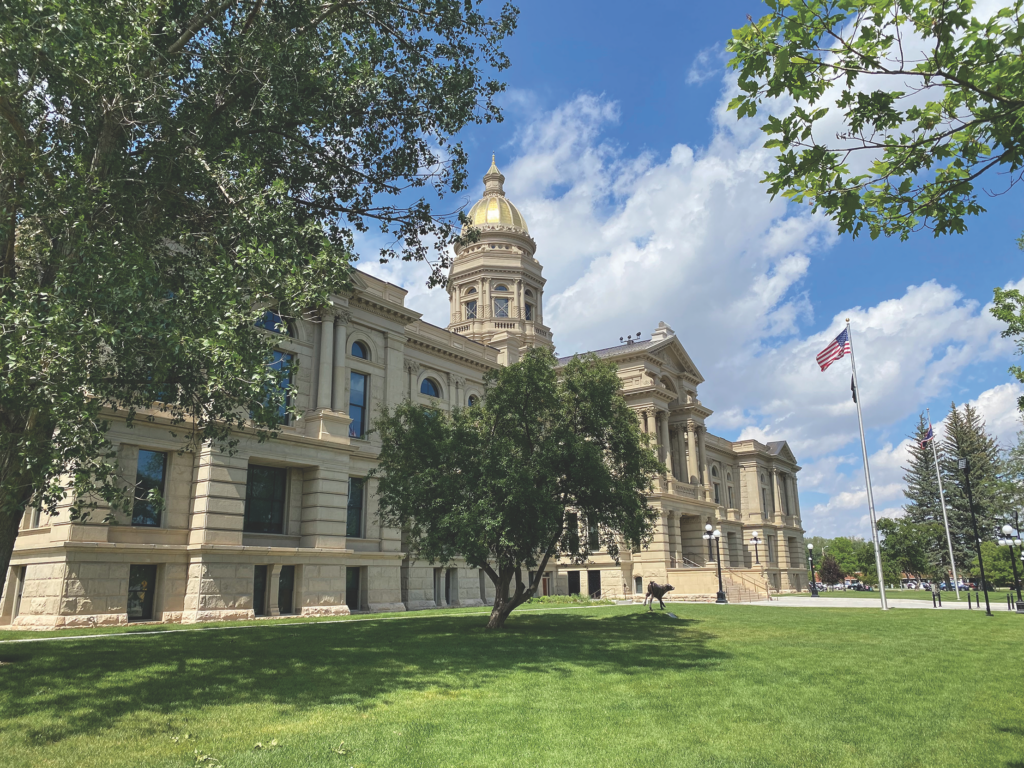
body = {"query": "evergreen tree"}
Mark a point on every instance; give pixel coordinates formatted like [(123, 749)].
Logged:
[(925, 506), (966, 437)]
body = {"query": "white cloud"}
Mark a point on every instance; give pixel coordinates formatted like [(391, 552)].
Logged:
[(707, 64)]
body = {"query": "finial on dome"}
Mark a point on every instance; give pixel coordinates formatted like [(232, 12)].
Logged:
[(493, 180)]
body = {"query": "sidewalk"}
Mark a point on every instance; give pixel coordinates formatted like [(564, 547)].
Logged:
[(873, 602)]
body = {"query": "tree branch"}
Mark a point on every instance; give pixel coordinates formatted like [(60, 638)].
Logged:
[(197, 23)]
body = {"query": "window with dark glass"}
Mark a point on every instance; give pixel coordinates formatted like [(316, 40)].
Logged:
[(259, 589), (357, 404), (286, 590), (470, 310), (470, 290), (473, 400), (593, 540), (352, 588), (501, 307), (273, 322), (264, 499), (150, 477), (529, 311), (572, 524), (501, 287), (356, 496), (360, 350), (282, 361), (430, 387), (141, 590)]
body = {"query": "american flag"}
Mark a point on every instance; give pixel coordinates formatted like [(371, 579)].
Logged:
[(928, 436), (839, 347)]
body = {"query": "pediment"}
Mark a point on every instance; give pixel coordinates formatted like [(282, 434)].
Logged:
[(674, 354)]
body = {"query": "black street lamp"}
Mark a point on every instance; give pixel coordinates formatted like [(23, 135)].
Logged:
[(814, 586), (965, 467), (716, 535), (755, 541), (1010, 542), (707, 535)]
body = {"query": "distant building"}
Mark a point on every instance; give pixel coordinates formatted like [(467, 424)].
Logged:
[(289, 526)]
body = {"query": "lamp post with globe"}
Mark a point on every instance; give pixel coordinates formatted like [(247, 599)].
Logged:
[(709, 535), (755, 541), (814, 586), (1012, 541)]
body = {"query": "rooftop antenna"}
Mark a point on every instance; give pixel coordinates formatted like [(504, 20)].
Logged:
[(630, 339)]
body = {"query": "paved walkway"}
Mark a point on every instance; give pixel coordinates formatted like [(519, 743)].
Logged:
[(873, 602)]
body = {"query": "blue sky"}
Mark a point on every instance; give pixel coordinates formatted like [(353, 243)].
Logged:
[(643, 196)]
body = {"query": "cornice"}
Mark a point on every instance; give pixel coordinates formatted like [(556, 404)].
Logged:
[(436, 349)]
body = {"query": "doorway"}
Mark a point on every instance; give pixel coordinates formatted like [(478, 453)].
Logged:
[(259, 590), (545, 584), (574, 582), (141, 589), (352, 589), (594, 583), (638, 585), (286, 588)]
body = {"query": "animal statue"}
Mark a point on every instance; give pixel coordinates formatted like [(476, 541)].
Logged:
[(655, 590)]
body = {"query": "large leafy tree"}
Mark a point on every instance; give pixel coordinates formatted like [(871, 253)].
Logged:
[(888, 114), (169, 169), (511, 482), (906, 545)]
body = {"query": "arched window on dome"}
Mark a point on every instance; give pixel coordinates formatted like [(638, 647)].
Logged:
[(501, 307), (430, 388), (360, 350), (529, 292), (501, 287), (470, 290)]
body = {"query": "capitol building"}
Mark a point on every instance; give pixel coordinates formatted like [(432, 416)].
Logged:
[(289, 526)]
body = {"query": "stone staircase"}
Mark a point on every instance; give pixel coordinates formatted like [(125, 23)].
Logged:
[(741, 592)]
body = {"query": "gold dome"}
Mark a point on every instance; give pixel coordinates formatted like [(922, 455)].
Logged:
[(493, 209)]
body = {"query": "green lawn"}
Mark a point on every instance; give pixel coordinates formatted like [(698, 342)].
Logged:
[(735, 686)]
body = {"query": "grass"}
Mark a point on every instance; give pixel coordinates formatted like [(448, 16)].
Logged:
[(744, 686)]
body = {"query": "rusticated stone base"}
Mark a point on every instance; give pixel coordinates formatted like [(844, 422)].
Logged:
[(386, 607), (192, 617), (326, 610)]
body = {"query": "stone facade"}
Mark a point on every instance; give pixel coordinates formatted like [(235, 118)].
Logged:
[(206, 560)]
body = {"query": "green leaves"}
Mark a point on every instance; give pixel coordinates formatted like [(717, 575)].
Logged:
[(518, 479), (949, 109), (167, 172)]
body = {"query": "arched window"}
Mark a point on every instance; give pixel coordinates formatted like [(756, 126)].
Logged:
[(473, 400), (359, 350), (273, 322), (714, 471), (430, 387), (529, 292), (470, 290), (501, 287)]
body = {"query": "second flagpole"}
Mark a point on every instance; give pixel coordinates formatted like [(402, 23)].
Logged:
[(942, 498), (867, 474)]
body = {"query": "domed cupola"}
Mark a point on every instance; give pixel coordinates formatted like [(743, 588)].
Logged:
[(494, 209), (495, 286)]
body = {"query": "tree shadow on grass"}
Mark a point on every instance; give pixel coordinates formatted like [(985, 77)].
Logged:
[(90, 685)]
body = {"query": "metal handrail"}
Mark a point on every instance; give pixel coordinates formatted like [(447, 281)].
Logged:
[(757, 587)]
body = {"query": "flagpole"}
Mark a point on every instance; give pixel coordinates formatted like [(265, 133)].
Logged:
[(942, 499), (867, 476)]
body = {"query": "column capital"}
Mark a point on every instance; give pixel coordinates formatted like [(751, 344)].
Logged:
[(412, 366), (342, 316)]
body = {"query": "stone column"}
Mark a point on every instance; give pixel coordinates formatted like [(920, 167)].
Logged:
[(776, 493), (702, 461), (666, 443), (323, 392), (338, 400), (691, 454), (680, 453)]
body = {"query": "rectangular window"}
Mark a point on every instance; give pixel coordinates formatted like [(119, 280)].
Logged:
[(264, 499), (593, 540), (572, 525), (718, 493), (141, 589), (283, 361), (784, 492), (149, 488), (770, 545), (354, 525), (357, 404), (19, 586), (732, 504), (470, 310), (501, 307), (529, 311)]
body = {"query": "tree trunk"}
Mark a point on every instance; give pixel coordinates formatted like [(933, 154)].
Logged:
[(9, 525)]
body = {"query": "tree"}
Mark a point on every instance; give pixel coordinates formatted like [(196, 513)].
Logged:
[(966, 437), (998, 567), (925, 505), (847, 553), (898, 108), (830, 572), (170, 170), (905, 546), (509, 483)]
